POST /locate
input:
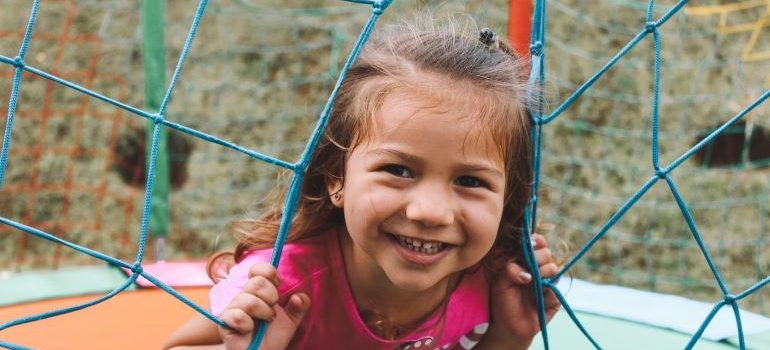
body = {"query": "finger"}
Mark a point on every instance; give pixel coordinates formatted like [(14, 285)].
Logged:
[(552, 303), (238, 321), (543, 256), (548, 270), (265, 270), (253, 306), (262, 288), (297, 307), (538, 240), (517, 274)]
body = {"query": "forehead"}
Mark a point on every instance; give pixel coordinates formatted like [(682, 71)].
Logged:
[(433, 121)]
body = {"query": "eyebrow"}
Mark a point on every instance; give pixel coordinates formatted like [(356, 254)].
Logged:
[(470, 167), (388, 152)]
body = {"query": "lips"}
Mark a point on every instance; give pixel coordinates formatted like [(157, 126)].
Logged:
[(419, 251), (425, 247)]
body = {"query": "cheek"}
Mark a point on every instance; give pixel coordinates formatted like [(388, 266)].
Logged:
[(371, 204), (484, 220)]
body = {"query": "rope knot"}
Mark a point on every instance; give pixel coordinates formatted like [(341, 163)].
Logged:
[(650, 27), (536, 49), (730, 299), (157, 118), (380, 6), (137, 269), (18, 62), (660, 174)]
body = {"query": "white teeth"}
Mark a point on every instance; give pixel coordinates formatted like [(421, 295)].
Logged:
[(420, 246)]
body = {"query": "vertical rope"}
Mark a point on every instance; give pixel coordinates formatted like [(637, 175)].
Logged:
[(537, 78), (378, 7), (18, 62)]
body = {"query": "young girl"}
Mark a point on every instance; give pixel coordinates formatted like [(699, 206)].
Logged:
[(406, 234)]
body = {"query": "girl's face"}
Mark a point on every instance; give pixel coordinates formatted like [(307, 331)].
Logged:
[(423, 194)]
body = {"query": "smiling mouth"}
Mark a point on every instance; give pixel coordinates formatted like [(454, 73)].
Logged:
[(416, 245)]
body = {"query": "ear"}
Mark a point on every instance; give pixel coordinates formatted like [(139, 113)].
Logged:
[(334, 188)]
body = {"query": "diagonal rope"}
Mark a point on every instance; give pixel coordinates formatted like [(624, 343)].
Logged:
[(538, 117), (537, 74), (378, 7), (292, 198)]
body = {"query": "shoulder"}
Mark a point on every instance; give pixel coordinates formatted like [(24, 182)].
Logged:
[(301, 261)]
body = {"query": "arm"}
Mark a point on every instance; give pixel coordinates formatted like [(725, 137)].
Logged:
[(514, 316), (198, 333), (258, 302)]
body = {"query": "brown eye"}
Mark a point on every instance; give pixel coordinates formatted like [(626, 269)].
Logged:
[(470, 181), (397, 170)]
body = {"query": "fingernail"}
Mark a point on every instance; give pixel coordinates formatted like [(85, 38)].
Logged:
[(534, 243), (526, 276)]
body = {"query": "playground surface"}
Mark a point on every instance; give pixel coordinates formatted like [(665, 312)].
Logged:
[(143, 317)]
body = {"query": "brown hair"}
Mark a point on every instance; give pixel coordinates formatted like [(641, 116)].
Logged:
[(395, 58)]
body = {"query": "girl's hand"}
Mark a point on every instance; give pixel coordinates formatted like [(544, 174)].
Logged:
[(258, 301), (514, 311)]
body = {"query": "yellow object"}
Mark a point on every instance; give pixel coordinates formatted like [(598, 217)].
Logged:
[(749, 52)]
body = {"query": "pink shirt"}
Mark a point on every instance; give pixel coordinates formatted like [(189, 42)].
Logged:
[(315, 266)]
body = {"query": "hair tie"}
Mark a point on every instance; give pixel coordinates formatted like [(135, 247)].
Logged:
[(489, 38)]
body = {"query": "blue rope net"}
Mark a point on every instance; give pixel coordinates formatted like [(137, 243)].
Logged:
[(260, 92), (159, 119), (596, 149), (658, 172)]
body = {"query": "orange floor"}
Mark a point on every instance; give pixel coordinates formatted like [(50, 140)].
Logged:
[(135, 320)]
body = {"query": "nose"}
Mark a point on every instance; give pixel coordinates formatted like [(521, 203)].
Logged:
[(432, 206)]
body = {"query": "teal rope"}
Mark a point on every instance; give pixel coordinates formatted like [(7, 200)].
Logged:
[(48, 314), (12, 346), (537, 78), (292, 197), (651, 27), (738, 323), (641, 35), (696, 233), (139, 112), (158, 118), (718, 131), (160, 121), (572, 314), (18, 62), (183, 56)]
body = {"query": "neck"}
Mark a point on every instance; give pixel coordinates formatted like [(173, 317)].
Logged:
[(376, 296)]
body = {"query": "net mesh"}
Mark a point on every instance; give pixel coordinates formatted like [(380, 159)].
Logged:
[(597, 153), (257, 76), (74, 170)]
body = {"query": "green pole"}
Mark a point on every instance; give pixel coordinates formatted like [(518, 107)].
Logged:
[(154, 60)]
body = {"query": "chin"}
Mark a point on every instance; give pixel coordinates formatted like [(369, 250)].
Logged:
[(414, 281)]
